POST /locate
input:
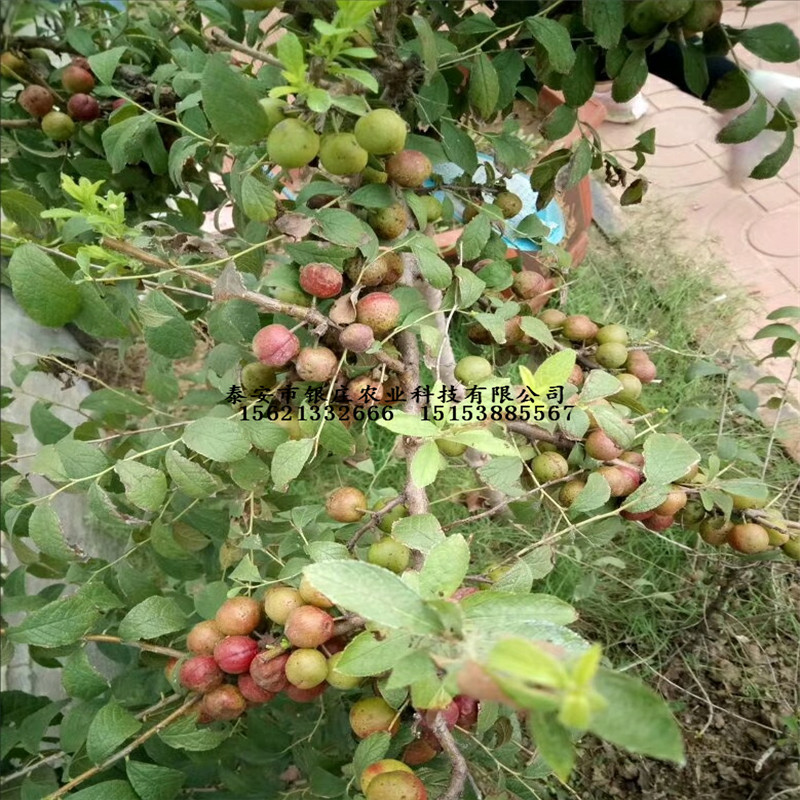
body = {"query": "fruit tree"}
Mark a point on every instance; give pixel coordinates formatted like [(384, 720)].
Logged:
[(295, 217)]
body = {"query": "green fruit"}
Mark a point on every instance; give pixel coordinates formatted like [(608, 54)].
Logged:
[(792, 549), (703, 14), (569, 491), (611, 355), (389, 222), (510, 204), (341, 154), (57, 126), (631, 387), (381, 132), (612, 333), (579, 328), (643, 19), (306, 668), (280, 601), (273, 108), (389, 554), (257, 378), (714, 530), (670, 10), (549, 467), (553, 318), (371, 715), (742, 503), (371, 175), (388, 519), (433, 208), (292, 143), (471, 370), (692, 513), (12, 66), (775, 526), (338, 679), (448, 448), (313, 596)]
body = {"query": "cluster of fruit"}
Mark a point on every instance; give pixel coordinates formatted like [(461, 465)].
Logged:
[(648, 17), (39, 101)]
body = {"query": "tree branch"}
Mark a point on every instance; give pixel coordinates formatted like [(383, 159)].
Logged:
[(19, 123), (150, 648), (536, 434), (375, 518), (220, 38), (460, 773), (45, 42)]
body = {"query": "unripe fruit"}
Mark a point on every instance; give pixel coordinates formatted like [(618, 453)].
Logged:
[(611, 355), (674, 502), (409, 168), (792, 549), (341, 154), (447, 448), (742, 503), (748, 538), (305, 695), (316, 364), (57, 126), (251, 691), (397, 786), (170, 670), (234, 654), (12, 66), (388, 519), (338, 679), (389, 222), (471, 210), (774, 524), (273, 109), (364, 391), (270, 673), (510, 204), (200, 674), (204, 637), (36, 100), (370, 175), (380, 311), (420, 752), (381, 132), (292, 143), (703, 14), (670, 10), (372, 714), (576, 377), (77, 80), (321, 280), (639, 364), (388, 268), (715, 530), (257, 378), (599, 445), (659, 522), (357, 338), (569, 491), (312, 596), (528, 284), (238, 616), (347, 504), (275, 345), (83, 107), (612, 333), (306, 668), (553, 318), (633, 458), (579, 328), (692, 513), (549, 467), (631, 387), (389, 554), (379, 768), (433, 208), (308, 627), (471, 370), (224, 703)]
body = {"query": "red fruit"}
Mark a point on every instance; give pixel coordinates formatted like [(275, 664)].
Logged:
[(76, 79), (316, 364), (467, 711), (204, 637), (636, 516), (83, 107), (305, 695), (599, 445), (639, 364), (270, 673), (474, 681), (460, 594), (238, 616), (308, 627), (36, 100), (169, 670), (224, 703), (419, 752), (321, 280), (658, 522), (409, 168), (251, 691), (201, 674), (674, 502), (528, 284), (749, 538), (335, 645), (632, 479), (234, 654), (118, 103), (275, 345), (380, 311), (357, 338), (364, 391), (450, 715)]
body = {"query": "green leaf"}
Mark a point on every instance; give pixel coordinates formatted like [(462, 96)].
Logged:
[(553, 371), (58, 623), (409, 425), (646, 141), (426, 464), (695, 67), (547, 168), (218, 439), (108, 790), (526, 662), (145, 487), (483, 441), (773, 42), (367, 655), (470, 287), (374, 593), (25, 210), (156, 616), (785, 312), (484, 86), (537, 330), (747, 125), (606, 19), (189, 476), (183, 734), (580, 164), (79, 677), (428, 52), (45, 530), (231, 103), (634, 193), (95, 316), (778, 329), (730, 91), (444, 568), (421, 532), (667, 458), (290, 54), (750, 488), (553, 742), (578, 84), (111, 726), (46, 295), (599, 383), (459, 147), (104, 64), (502, 611), (631, 77), (636, 718), (614, 425), (592, 496), (771, 165), (433, 267), (153, 782), (373, 195), (556, 41), (123, 142), (559, 122), (474, 237), (346, 229), (258, 200), (289, 460)]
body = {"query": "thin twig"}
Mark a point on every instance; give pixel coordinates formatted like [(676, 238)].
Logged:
[(458, 778), (537, 434), (375, 518), (220, 38), (19, 123), (150, 648)]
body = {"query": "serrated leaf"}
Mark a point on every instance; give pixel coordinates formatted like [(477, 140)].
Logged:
[(631, 78), (107, 790), (409, 425), (289, 460), (153, 782), (58, 623), (218, 439), (553, 371), (145, 487), (183, 734), (45, 530), (553, 742), (104, 64), (367, 655), (189, 476), (79, 677), (606, 18), (111, 726), (484, 86), (667, 458), (421, 532), (258, 200), (459, 147), (156, 616), (774, 42), (556, 41), (374, 747), (599, 383), (426, 464), (592, 496), (444, 568)]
